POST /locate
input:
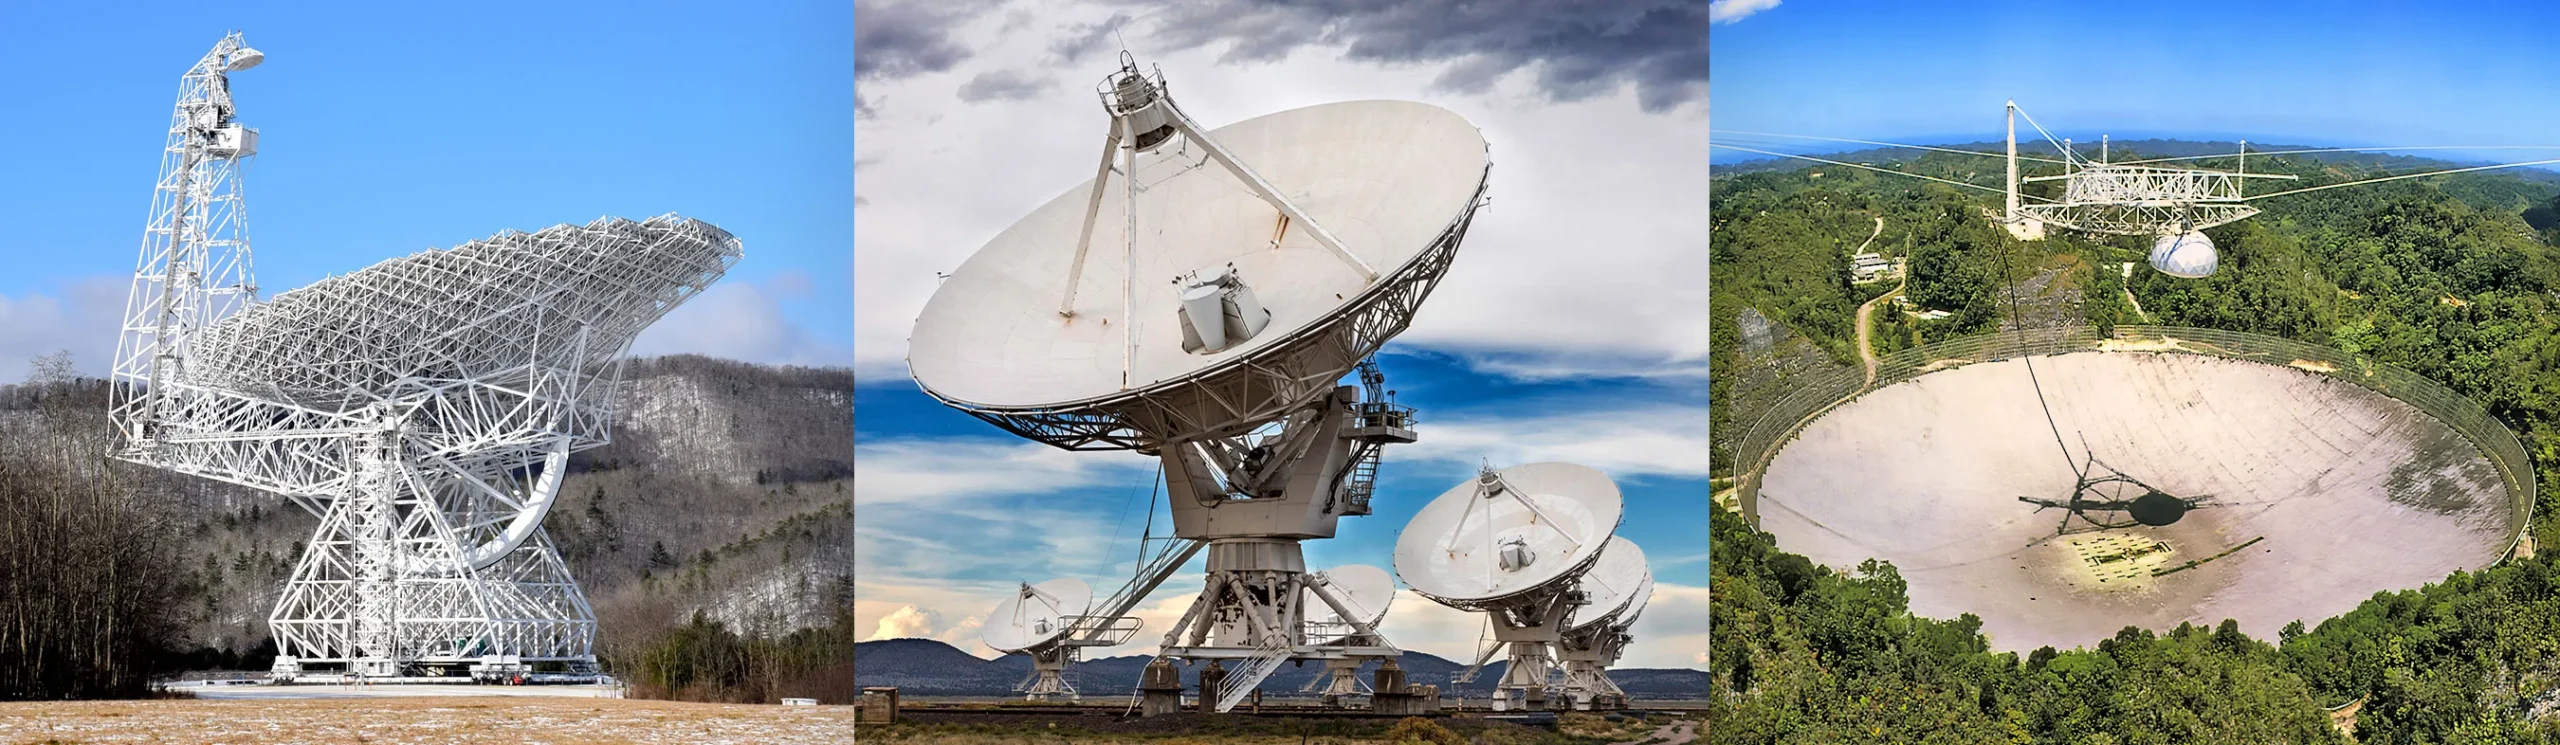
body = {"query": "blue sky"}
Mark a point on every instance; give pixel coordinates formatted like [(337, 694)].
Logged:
[(2317, 73), (1559, 332), (389, 129)]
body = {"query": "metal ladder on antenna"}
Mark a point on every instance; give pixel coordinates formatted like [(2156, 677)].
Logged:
[(1364, 483), (1242, 681)]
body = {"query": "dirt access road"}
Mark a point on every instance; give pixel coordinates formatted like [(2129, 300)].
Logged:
[(565, 721), (1866, 319)]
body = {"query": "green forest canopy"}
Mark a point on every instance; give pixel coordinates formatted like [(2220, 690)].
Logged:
[(2456, 278)]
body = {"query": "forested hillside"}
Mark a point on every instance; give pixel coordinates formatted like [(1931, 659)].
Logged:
[(2456, 278), (726, 576)]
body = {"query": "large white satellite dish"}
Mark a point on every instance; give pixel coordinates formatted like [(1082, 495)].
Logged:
[(424, 408), (1395, 182), (1514, 543), (1240, 275), (1036, 614), (1617, 589), (1612, 584), (1507, 534), (1366, 589)]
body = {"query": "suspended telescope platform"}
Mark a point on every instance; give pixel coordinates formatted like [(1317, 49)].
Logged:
[(2309, 481)]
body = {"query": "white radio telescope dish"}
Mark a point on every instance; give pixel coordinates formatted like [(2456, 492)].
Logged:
[(1366, 589), (1617, 589), (1394, 182), (1508, 533), (1036, 614), (1612, 584), (424, 408), (1209, 320), (1635, 609)]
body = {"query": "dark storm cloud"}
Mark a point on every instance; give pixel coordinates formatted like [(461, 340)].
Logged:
[(1088, 37), (1576, 48), (898, 39), (1001, 85)]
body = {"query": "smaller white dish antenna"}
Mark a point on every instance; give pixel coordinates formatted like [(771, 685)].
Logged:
[(1365, 589), (1635, 607), (1612, 584), (1508, 533), (2189, 254), (1036, 614), (242, 59)]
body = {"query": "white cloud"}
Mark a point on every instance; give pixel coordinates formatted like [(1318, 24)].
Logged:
[(946, 470), (80, 316), (1662, 440), (1673, 630), (1728, 11), (1417, 624), (905, 623), (1597, 207), (742, 320)]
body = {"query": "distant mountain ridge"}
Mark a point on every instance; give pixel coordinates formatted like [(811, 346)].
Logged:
[(930, 667), (2135, 148)]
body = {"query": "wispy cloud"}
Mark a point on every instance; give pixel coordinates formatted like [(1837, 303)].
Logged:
[(1663, 440), (1728, 11), (948, 470), (79, 317), (744, 320), (1673, 630)]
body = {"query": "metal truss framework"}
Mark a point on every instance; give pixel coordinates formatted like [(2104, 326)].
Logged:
[(423, 408), (2127, 199), (2144, 200)]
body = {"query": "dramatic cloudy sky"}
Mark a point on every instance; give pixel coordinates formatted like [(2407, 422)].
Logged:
[(1571, 327), (387, 131)]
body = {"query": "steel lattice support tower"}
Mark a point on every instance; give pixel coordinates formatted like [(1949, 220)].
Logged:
[(424, 408)]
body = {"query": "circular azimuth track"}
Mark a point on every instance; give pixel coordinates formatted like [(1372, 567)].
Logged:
[(2323, 492)]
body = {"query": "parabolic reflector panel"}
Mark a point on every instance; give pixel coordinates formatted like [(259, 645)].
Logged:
[(1467, 551), (1612, 583), (1366, 589), (2323, 492), (1030, 619), (566, 297), (1386, 177), (1635, 608)]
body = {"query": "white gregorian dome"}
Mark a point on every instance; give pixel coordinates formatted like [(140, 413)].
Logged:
[(2189, 254)]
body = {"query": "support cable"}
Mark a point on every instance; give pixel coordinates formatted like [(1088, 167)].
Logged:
[(1950, 182), (2382, 150), (2019, 317), (2403, 176), (1958, 151)]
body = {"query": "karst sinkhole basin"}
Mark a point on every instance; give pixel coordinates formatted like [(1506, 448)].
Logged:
[(2323, 492)]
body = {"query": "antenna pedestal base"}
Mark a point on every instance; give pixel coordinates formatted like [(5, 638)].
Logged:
[(1586, 656), (386, 588), (1049, 676)]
